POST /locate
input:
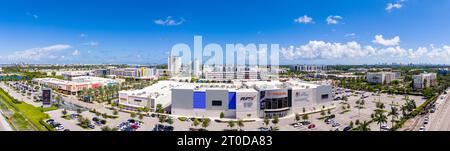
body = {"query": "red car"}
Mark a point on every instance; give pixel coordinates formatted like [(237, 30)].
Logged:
[(311, 126)]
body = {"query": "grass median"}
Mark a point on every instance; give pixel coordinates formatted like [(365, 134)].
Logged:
[(26, 111)]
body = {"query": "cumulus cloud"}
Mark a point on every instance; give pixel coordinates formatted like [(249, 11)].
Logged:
[(439, 53), (396, 5), (76, 53), (304, 20), (33, 15), (325, 50), (350, 35), (35, 54), (352, 50), (386, 42), (91, 43), (169, 21), (333, 19)]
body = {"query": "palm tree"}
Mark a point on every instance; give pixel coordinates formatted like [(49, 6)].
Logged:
[(305, 117), (394, 114), (297, 117), (380, 118), (230, 124), (266, 121), (275, 120), (205, 123), (240, 123), (364, 126)]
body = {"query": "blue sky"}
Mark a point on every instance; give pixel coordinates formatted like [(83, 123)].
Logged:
[(138, 31)]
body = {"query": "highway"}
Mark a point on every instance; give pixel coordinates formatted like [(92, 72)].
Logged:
[(440, 119)]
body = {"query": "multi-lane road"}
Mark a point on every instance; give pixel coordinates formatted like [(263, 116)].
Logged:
[(440, 119)]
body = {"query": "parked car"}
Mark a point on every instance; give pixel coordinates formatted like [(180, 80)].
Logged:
[(297, 125), (422, 128), (305, 122), (432, 110), (335, 124), (348, 128), (384, 127), (91, 126), (264, 129), (311, 126)]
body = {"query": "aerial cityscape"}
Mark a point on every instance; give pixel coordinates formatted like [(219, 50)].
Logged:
[(225, 65)]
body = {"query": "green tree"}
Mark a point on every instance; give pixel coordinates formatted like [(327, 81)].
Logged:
[(64, 112), (275, 120), (132, 115), (159, 108), (115, 112), (205, 123), (141, 116), (380, 118), (231, 124), (364, 126), (394, 115), (305, 117), (266, 121), (169, 121), (196, 122), (240, 123), (79, 111), (222, 115), (297, 117)]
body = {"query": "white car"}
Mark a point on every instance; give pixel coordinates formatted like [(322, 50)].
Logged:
[(60, 128), (385, 127), (297, 125), (422, 128)]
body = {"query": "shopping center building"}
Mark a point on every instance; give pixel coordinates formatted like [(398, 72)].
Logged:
[(75, 85), (256, 99)]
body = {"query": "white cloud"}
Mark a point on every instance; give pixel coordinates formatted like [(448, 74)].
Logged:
[(439, 53), (82, 35), (325, 50), (169, 21), (35, 54), (333, 19), (350, 35), (396, 5), (33, 15), (91, 43), (304, 20), (393, 52), (386, 42), (76, 53), (352, 50)]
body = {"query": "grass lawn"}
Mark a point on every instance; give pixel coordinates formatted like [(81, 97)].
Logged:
[(33, 114), (26, 111), (48, 109), (343, 112)]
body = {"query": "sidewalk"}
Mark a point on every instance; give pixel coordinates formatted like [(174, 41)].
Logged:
[(4, 125)]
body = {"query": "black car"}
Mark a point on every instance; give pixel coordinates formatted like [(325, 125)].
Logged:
[(332, 116), (305, 122), (168, 128), (95, 119), (348, 128)]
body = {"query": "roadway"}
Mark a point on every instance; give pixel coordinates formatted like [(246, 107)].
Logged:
[(4, 125), (440, 119)]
